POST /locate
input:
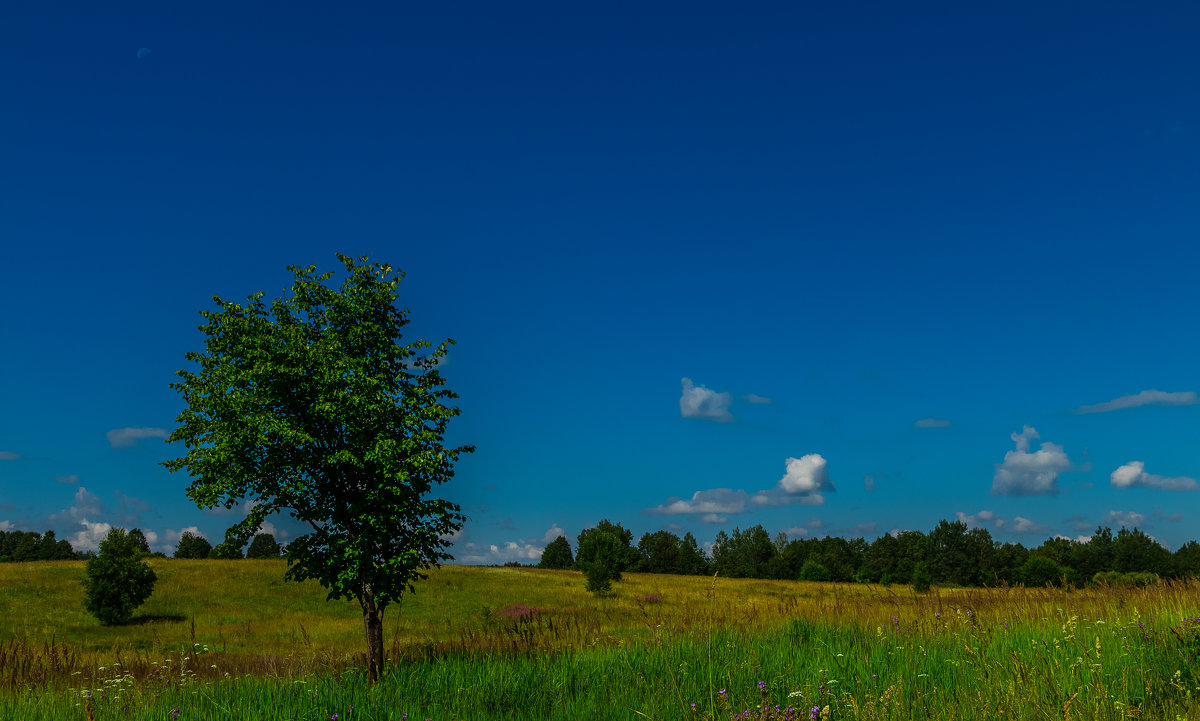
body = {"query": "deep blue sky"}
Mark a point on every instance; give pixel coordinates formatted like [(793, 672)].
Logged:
[(871, 215)]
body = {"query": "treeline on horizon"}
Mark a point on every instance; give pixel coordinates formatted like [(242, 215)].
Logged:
[(23, 546), (949, 555)]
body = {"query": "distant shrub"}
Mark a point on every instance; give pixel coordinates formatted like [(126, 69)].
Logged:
[(557, 555), (813, 571), (922, 579), (601, 556), (117, 581), (192, 546), (263, 546), (1040, 570)]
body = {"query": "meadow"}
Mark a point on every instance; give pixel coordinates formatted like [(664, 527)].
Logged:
[(231, 640)]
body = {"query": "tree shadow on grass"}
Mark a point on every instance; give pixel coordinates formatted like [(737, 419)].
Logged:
[(156, 618)]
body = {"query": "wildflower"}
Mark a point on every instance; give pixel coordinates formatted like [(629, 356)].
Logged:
[(815, 713), (175, 712), (761, 685), (722, 693)]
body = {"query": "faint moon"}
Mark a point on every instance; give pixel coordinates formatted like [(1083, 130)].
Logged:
[(142, 53)]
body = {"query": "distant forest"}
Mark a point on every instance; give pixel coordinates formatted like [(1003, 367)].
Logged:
[(949, 555)]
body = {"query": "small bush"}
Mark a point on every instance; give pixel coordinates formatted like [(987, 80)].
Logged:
[(192, 546), (922, 579), (117, 581), (263, 546), (601, 556)]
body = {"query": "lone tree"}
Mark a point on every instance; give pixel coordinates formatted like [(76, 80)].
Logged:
[(263, 546), (117, 581), (192, 546), (601, 556), (557, 554), (312, 406)]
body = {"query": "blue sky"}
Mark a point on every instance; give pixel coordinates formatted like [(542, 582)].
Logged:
[(834, 270)]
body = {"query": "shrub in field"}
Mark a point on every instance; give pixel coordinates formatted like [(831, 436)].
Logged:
[(813, 571), (117, 581), (192, 546), (601, 556), (263, 546), (1039, 571)]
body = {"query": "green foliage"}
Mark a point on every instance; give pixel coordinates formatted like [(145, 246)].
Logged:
[(20, 546), (1041, 570), (813, 571), (557, 554), (263, 546), (138, 539), (192, 546), (226, 550), (1116, 578), (629, 558), (117, 581), (601, 557), (922, 577), (743, 554), (314, 407)]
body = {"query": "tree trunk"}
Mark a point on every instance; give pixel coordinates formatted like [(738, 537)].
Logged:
[(373, 624)]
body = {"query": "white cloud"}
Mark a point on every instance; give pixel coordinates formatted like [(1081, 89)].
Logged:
[(751, 397), (127, 437), (931, 423), (6, 526), (90, 537), (796, 531), (455, 536), (713, 518), (1133, 475), (805, 474), (802, 483), (552, 533), (87, 505), (1145, 398), (1079, 539), (71, 479), (1024, 525), (1128, 519), (1029, 474), (700, 402), (171, 537), (502, 553), (1017, 524), (715, 500), (9, 456)]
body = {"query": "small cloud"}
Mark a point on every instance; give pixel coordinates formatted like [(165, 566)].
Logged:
[(1145, 398), (931, 423), (72, 479), (1133, 475), (6, 526), (87, 505), (862, 530), (9, 456), (803, 481), (1029, 474), (752, 398), (712, 501), (502, 553), (171, 537), (128, 437), (1168, 517), (1126, 519), (700, 402), (552, 533), (869, 482), (1017, 524), (713, 518), (796, 531), (1024, 525), (90, 537)]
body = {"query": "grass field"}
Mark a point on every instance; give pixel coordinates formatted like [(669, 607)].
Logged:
[(229, 639)]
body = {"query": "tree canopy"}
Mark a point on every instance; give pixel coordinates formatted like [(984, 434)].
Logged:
[(312, 406)]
